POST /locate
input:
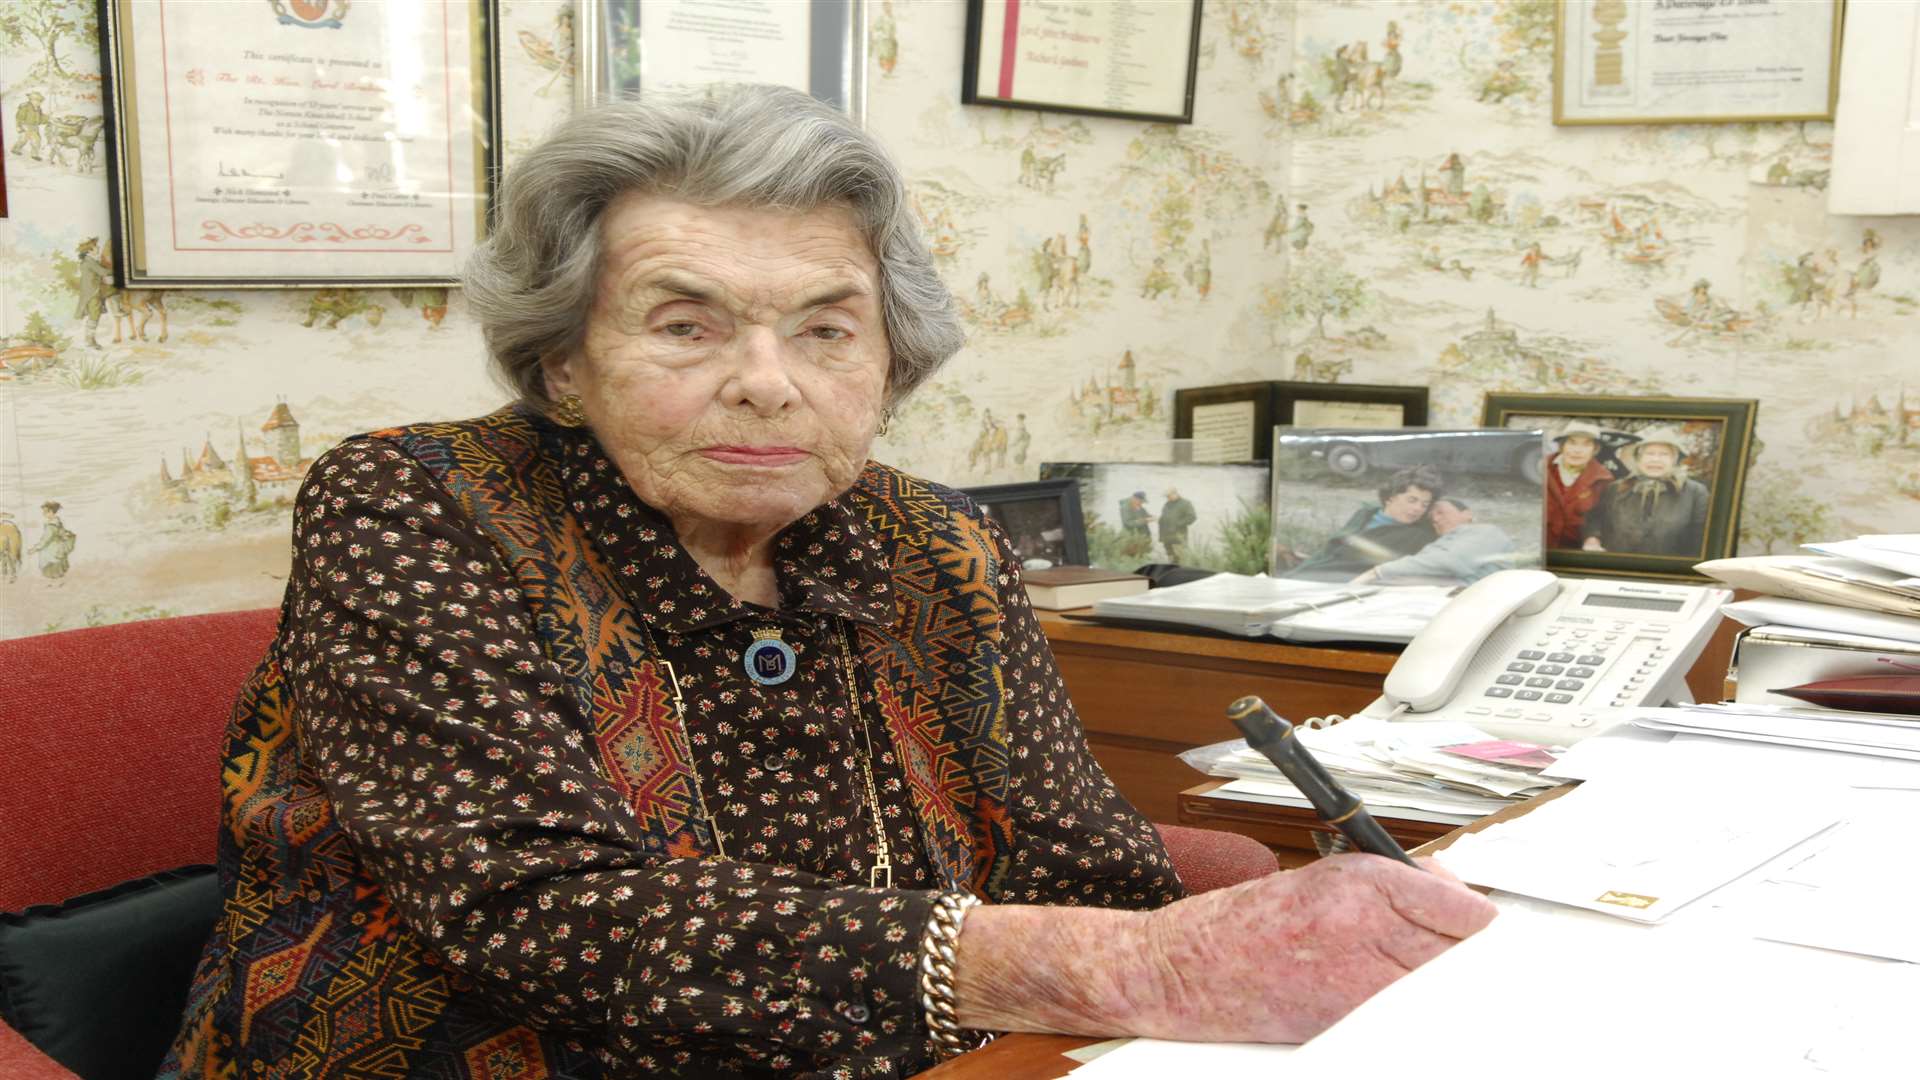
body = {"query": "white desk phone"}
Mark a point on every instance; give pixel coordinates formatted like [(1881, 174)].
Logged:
[(1522, 654)]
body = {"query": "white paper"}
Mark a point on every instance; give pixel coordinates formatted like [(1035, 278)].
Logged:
[(1849, 889), (1899, 561), (1615, 849), (1780, 611), (1576, 997), (1156, 1059)]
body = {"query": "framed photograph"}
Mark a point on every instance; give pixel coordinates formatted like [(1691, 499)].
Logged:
[(1212, 517), (1134, 61), (1235, 422), (1643, 487), (1409, 507), (1695, 61), (631, 48), (1042, 519), (295, 143)]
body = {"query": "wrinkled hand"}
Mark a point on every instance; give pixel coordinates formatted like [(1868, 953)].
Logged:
[(1279, 959)]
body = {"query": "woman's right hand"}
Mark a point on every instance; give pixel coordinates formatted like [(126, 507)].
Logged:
[(1276, 959), (1280, 958)]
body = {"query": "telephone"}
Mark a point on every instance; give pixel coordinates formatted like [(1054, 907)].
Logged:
[(1522, 654)]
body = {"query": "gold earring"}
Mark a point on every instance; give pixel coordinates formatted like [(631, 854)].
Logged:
[(886, 421), (568, 412)]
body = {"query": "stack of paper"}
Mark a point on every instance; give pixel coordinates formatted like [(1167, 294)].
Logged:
[(1396, 766), (1870, 734), (1876, 573)]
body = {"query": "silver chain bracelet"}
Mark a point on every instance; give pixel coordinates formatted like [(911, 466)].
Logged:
[(936, 974)]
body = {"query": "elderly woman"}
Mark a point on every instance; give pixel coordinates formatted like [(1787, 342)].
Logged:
[(645, 727)]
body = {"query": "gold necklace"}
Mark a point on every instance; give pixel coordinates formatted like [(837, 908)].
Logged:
[(881, 876), (680, 713)]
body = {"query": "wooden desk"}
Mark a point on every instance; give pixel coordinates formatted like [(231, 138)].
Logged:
[(1038, 1057), (1145, 695)]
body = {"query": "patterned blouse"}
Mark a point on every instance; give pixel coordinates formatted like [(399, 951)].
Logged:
[(467, 833)]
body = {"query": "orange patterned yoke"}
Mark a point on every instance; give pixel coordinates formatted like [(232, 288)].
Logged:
[(465, 834)]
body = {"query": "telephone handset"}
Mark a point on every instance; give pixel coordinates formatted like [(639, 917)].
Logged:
[(1525, 655)]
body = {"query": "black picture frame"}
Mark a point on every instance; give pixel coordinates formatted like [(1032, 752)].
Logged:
[(971, 92), (1277, 403), (1719, 433), (1034, 499)]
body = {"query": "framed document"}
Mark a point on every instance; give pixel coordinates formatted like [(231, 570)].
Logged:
[(630, 48), (1637, 486), (1235, 422), (1695, 61), (298, 142), (1135, 59)]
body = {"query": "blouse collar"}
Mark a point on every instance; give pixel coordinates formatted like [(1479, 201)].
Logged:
[(827, 563)]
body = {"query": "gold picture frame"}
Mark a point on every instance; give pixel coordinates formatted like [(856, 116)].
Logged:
[(1637, 62)]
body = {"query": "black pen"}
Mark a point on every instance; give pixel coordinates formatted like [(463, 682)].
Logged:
[(1269, 733)]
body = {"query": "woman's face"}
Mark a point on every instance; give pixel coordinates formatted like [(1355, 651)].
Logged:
[(735, 360), (1409, 505)]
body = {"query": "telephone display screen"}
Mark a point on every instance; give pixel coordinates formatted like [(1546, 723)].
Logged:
[(1642, 603)]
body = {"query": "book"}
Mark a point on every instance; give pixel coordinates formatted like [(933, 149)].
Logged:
[(1060, 587)]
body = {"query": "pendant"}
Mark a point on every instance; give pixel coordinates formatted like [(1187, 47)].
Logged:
[(769, 661)]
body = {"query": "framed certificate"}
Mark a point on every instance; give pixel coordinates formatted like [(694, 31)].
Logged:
[(293, 143), (1236, 422), (1695, 61), (629, 49), (1135, 59)]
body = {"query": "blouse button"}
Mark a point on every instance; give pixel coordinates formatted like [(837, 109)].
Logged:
[(854, 1011), (773, 763)]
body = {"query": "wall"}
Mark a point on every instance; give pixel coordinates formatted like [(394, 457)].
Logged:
[(92, 428)]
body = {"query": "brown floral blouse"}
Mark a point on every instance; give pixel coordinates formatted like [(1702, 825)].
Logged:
[(467, 835)]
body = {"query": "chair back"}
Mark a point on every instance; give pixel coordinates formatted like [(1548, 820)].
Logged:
[(112, 753)]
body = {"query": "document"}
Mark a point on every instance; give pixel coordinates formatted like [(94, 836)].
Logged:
[(1786, 613), (1568, 995), (1608, 847), (1850, 889), (348, 151)]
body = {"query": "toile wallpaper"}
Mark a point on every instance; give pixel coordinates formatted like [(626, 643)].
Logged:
[(1371, 192)]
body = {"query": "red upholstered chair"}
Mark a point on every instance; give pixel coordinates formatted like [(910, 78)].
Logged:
[(112, 741)]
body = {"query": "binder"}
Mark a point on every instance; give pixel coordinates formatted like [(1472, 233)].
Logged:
[(1766, 658)]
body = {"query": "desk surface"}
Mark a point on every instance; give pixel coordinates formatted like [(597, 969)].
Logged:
[(1039, 1057)]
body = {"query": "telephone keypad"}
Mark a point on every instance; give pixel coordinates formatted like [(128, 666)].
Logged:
[(1592, 661), (1508, 680), (1519, 665), (1560, 658), (1551, 669), (1540, 681), (1532, 654), (1569, 684), (1499, 691), (1580, 672), (1526, 695), (1560, 699)]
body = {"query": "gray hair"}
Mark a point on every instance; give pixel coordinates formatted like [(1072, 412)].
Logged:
[(532, 282)]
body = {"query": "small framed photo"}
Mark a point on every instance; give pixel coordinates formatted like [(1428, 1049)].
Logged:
[(1042, 519), (1133, 61), (630, 48), (1695, 61), (1235, 422), (1642, 487), (1408, 507), (1208, 516)]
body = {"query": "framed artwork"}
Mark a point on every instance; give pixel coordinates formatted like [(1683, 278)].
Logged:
[(1136, 61), (1642, 487), (290, 144), (1207, 516), (1405, 507), (1042, 519), (1235, 422), (631, 48), (1695, 61)]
